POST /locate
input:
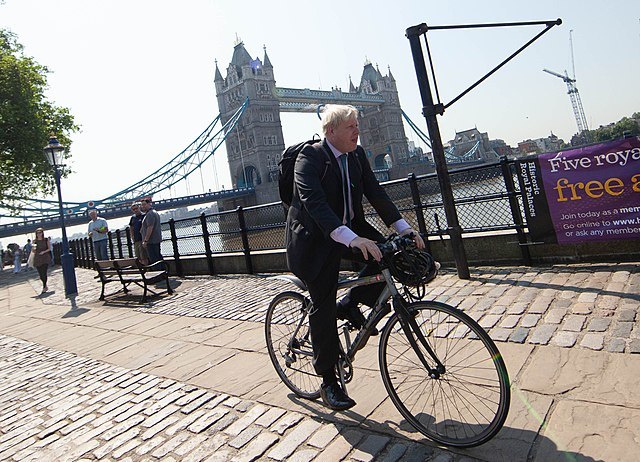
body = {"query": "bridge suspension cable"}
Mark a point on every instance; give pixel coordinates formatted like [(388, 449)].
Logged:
[(423, 137), (450, 154), (167, 176), (184, 163)]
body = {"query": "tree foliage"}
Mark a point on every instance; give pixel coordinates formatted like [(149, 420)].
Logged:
[(27, 119), (626, 125)]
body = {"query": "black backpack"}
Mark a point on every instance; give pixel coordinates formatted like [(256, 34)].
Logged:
[(286, 168)]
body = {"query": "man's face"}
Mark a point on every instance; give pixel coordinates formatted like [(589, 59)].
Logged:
[(94, 215), (136, 210), (345, 136), (145, 206)]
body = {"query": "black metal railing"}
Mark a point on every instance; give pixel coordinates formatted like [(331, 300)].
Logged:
[(487, 198)]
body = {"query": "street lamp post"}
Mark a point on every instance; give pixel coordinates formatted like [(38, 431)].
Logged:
[(53, 152)]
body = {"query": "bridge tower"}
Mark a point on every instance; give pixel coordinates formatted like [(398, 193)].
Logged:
[(381, 128), (256, 144), (254, 149)]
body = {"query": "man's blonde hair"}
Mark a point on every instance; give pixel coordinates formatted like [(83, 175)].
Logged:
[(334, 114)]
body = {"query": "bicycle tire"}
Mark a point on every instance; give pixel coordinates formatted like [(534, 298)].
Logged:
[(294, 365), (468, 404)]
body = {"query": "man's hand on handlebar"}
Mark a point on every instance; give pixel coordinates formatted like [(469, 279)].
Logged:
[(410, 232), (367, 247)]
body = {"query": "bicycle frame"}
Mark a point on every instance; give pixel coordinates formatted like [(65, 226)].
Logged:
[(380, 310)]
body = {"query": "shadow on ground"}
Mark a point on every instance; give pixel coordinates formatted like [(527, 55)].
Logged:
[(510, 445)]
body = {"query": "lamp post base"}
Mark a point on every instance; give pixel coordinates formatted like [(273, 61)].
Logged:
[(68, 274)]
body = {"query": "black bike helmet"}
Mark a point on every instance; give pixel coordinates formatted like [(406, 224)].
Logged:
[(413, 267)]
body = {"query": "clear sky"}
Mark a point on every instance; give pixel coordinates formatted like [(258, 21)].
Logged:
[(138, 75)]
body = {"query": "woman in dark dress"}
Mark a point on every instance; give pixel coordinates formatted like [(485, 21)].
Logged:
[(42, 257)]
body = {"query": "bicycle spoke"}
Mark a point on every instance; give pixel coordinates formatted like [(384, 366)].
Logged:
[(288, 344), (465, 404)]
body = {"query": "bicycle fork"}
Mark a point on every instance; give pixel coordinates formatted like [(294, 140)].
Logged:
[(412, 330), (414, 335), (344, 366)]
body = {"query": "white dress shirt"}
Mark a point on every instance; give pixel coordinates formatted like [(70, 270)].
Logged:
[(343, 234)]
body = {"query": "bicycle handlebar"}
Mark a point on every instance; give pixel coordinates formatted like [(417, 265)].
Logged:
[(395, 243), (391, 245)]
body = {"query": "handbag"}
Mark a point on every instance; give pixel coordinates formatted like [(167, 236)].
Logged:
[(30, 260)]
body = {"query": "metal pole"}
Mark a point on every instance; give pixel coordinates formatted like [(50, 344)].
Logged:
[(430, 110), (66, 259), (245, 239), (417, 206)]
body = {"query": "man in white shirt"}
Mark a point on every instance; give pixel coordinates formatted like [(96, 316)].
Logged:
[(325, 220), (98, 229)]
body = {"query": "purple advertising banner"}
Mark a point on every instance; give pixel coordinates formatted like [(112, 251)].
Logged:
[(586, 194)]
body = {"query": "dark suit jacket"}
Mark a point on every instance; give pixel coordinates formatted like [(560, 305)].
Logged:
[(317, 207)]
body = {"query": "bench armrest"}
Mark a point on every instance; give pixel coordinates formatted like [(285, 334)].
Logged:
[(157, 266)]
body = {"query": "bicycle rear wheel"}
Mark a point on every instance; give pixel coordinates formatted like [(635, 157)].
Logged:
[(289, 344), (464, 406)]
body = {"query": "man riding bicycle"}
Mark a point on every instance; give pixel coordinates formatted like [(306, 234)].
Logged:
[(324, 222)]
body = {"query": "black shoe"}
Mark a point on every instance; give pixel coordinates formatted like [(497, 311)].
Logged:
[(352, 313), (334, 397)]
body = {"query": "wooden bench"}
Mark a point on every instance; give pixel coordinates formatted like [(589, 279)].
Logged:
[(128, 271)]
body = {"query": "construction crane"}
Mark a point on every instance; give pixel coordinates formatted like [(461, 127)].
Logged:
[(572, 90)]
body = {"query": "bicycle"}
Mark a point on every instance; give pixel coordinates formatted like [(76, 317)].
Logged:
[(441, 370)]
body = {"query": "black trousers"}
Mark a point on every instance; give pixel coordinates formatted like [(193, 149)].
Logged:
[(42, 272), (322, 322)]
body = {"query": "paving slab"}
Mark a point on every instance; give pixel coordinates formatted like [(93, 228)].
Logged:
[(599, 377), (102, 337), (144, 352), (26, 327), (118, 341), (71, 338), (173, 327), (238, 375), (189, 362), (584, 431)]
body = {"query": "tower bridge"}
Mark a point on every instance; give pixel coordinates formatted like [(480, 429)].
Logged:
[(255, 150)]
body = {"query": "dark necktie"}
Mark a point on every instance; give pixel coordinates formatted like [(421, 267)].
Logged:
[(345, 190)]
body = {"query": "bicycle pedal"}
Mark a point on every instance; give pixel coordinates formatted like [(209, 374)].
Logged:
[(352, 328)]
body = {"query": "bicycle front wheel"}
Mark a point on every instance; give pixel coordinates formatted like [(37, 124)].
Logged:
[(466, 402), (289, 344)]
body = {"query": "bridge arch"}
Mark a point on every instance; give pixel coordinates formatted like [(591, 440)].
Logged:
[(382, 161), (249, 177)]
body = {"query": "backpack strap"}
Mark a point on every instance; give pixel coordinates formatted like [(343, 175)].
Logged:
[(327, 162), (358, 160)]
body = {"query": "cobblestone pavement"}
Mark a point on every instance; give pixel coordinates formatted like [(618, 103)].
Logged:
[(591, 306), (57, 406)]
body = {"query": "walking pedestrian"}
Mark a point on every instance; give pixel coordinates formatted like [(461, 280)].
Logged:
[(43, 257), (27, 252), (17, 259)]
